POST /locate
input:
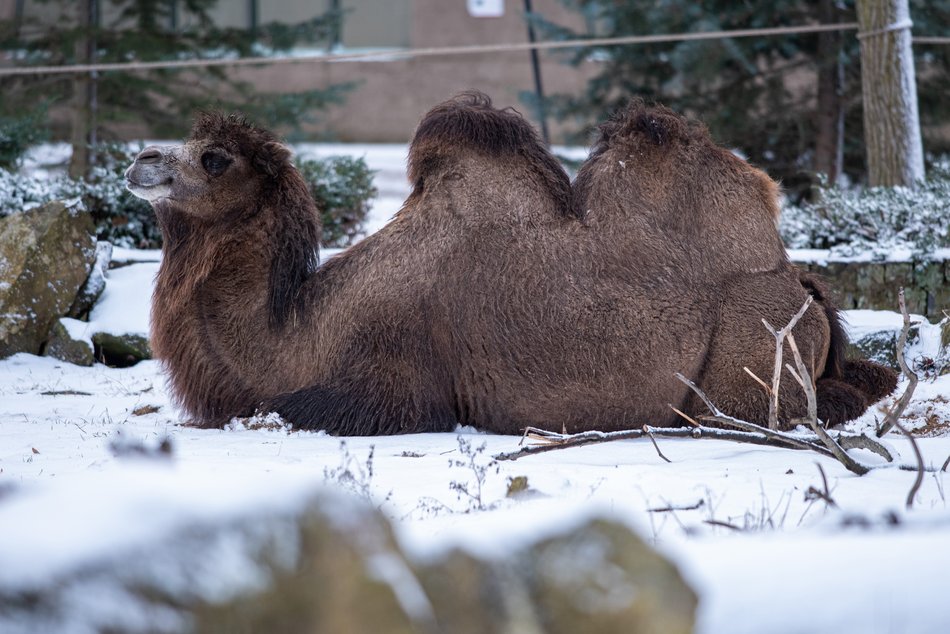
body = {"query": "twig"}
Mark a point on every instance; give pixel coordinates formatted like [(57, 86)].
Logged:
[(723, 524), (825, 493), (946, 463), (689, 419), (777, 371), (649, 433), (901, 405), (671, 508), (764, 385), (920, 464), (850, 463)]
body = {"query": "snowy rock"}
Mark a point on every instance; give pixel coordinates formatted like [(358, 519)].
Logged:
[(46, 255), (598, 577), (121, 350), (69, 341), (96, 282), (230, 552)]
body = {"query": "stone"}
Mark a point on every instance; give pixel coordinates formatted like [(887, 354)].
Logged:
[(596, 578), (90, 292), (121, 350), (46, 255), (69, 342), (881, 346), (324, 562)]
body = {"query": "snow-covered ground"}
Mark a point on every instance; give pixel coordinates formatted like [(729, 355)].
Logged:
[(763, 557)]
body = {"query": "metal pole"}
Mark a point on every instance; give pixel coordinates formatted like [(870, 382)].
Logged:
[(536, 71)]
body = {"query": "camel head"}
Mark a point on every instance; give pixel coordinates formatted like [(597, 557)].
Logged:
[(226, 164)]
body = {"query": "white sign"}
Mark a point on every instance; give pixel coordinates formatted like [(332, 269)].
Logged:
[(486, 8)]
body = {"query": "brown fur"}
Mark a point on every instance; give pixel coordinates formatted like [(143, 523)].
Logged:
[(496, 297)]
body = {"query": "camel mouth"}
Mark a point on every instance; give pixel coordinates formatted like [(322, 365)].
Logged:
[(152, 192)]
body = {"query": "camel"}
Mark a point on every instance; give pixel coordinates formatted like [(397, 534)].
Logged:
[(499, 296)]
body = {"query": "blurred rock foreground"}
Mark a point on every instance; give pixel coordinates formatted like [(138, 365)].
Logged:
[(332, 564)]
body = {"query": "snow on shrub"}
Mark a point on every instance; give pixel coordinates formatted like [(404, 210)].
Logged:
[(342, 187), (875, 221)]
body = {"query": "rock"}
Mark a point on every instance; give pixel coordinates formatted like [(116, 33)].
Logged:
[(881, 346), (330, 566), (121, 350), (68, 341), (96, 282), (599, 577), (237, 555), (45, 257)]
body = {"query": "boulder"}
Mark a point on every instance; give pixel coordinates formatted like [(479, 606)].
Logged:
[(46, 255), (69, 341), (123, 350), (90, 292)]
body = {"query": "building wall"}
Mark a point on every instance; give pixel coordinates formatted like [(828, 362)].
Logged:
[(392, 96)]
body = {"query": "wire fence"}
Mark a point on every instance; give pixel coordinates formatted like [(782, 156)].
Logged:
[(444, 51)]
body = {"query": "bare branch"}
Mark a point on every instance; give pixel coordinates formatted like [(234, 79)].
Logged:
[(724, 419), (850, 463), (777, 371), (891, 419), (946, 463), (649, 433), (861, 441)]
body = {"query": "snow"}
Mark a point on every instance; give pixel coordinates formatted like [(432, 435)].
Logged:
[(795, 566)]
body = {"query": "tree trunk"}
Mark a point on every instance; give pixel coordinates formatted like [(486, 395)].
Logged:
[(888, 86), (82, 124), (829, 145)]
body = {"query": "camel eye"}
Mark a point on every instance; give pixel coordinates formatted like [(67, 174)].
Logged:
[(215, 163)]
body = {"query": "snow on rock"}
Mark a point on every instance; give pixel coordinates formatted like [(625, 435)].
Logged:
[(160, 547)]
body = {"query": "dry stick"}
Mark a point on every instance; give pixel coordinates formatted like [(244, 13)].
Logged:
[(777, 371), (689, 419), (554, 441), (805, 379), (765, 385), (649, 432), (901, 405), (946, 463)]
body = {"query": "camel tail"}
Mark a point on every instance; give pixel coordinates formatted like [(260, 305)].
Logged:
[(838, 346), (847, 386)]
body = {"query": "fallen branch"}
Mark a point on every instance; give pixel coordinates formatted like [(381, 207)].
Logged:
[(778, 437)]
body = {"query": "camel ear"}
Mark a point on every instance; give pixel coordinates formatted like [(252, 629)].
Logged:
[(272, 158)]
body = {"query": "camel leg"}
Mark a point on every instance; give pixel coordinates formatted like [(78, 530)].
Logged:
[(741, 341), (359, 408)]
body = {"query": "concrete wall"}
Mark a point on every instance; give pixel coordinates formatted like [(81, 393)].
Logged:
[(393, 95)]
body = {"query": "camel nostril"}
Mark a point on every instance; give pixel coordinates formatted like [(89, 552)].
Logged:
[(149, 155)]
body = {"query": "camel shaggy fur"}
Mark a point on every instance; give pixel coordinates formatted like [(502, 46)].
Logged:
[(498, 296)]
